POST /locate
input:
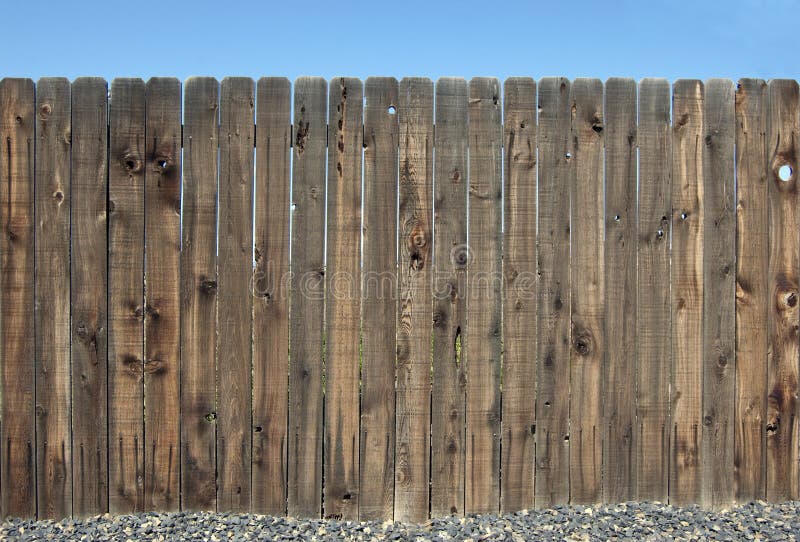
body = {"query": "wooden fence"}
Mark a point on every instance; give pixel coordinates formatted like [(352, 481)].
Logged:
[(561, 292)]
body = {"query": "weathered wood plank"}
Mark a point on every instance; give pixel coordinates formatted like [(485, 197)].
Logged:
[(235, 300), (307, 300), (519, 306), (556, 175), (89, 296), (271, 295), (783, 433), (415, 303), (653, 347), (198, 268), (587, 292), (482, 335), (379, 290), (752, 261), (126, 295), (450, 259), (17, 341), (53, 396), (686, 291)]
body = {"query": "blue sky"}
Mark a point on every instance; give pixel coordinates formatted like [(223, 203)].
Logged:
[(602, 38)]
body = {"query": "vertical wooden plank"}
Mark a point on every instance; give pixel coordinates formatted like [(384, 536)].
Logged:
[(587, 292), (482, 336), (307, 301), (379, 290), (89, 296), (783, 433), (556, 175), (752, 257), (53, 397), (271, 295), (198, 268), (653, 347), (126, 296), (519, 305), (415, 304), (162, 298), (686, 287), (17, 341), (235, 301), (450, 259)]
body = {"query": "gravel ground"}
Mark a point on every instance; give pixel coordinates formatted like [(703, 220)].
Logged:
[(628, 521)]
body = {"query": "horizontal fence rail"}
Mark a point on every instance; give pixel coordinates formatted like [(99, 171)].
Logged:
[(395, 299)]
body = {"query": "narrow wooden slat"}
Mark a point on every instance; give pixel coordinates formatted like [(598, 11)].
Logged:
[(162, 298), (235, 300), (556, 175), (415, 303), (783, 433), (89, 299), (587, 296), (450, 258), (271, 296), (752, 257), (198, 267), (653, 347), (686, 291), (17, 341), (53, 397), (519, 305), (482, 336), (719, 289), (307, 300), (126, 296), (379, 290)]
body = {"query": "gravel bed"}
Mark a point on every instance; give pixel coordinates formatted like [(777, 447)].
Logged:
[(627, 521)]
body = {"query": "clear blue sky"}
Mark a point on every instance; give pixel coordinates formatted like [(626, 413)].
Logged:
[(601, 38)]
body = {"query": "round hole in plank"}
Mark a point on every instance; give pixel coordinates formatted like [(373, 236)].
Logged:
[(785, 172), (392, 110)]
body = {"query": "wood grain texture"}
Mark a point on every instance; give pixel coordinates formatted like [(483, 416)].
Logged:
[(686, 291), (379, 291), (519, 290), (53, 394), (198, 268), (450, 259), (556, 175), (654, 344), (271, 295), (415, 303), (235, 299), (17, 341), (307, 300), (783, 433), (587, 296), (752, 262), (89, 296), (126, 296)]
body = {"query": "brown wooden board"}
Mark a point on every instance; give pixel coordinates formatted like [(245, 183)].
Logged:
[(198, 267), (89, 296), (379, 291), (235, 300), (17, 340), (126, 296), (519, 290), (587, 296), (415, 303), (752, 261), (686, 291), (450, 258), (556, 175), (271, 295), (307, 299), (53, 394)]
